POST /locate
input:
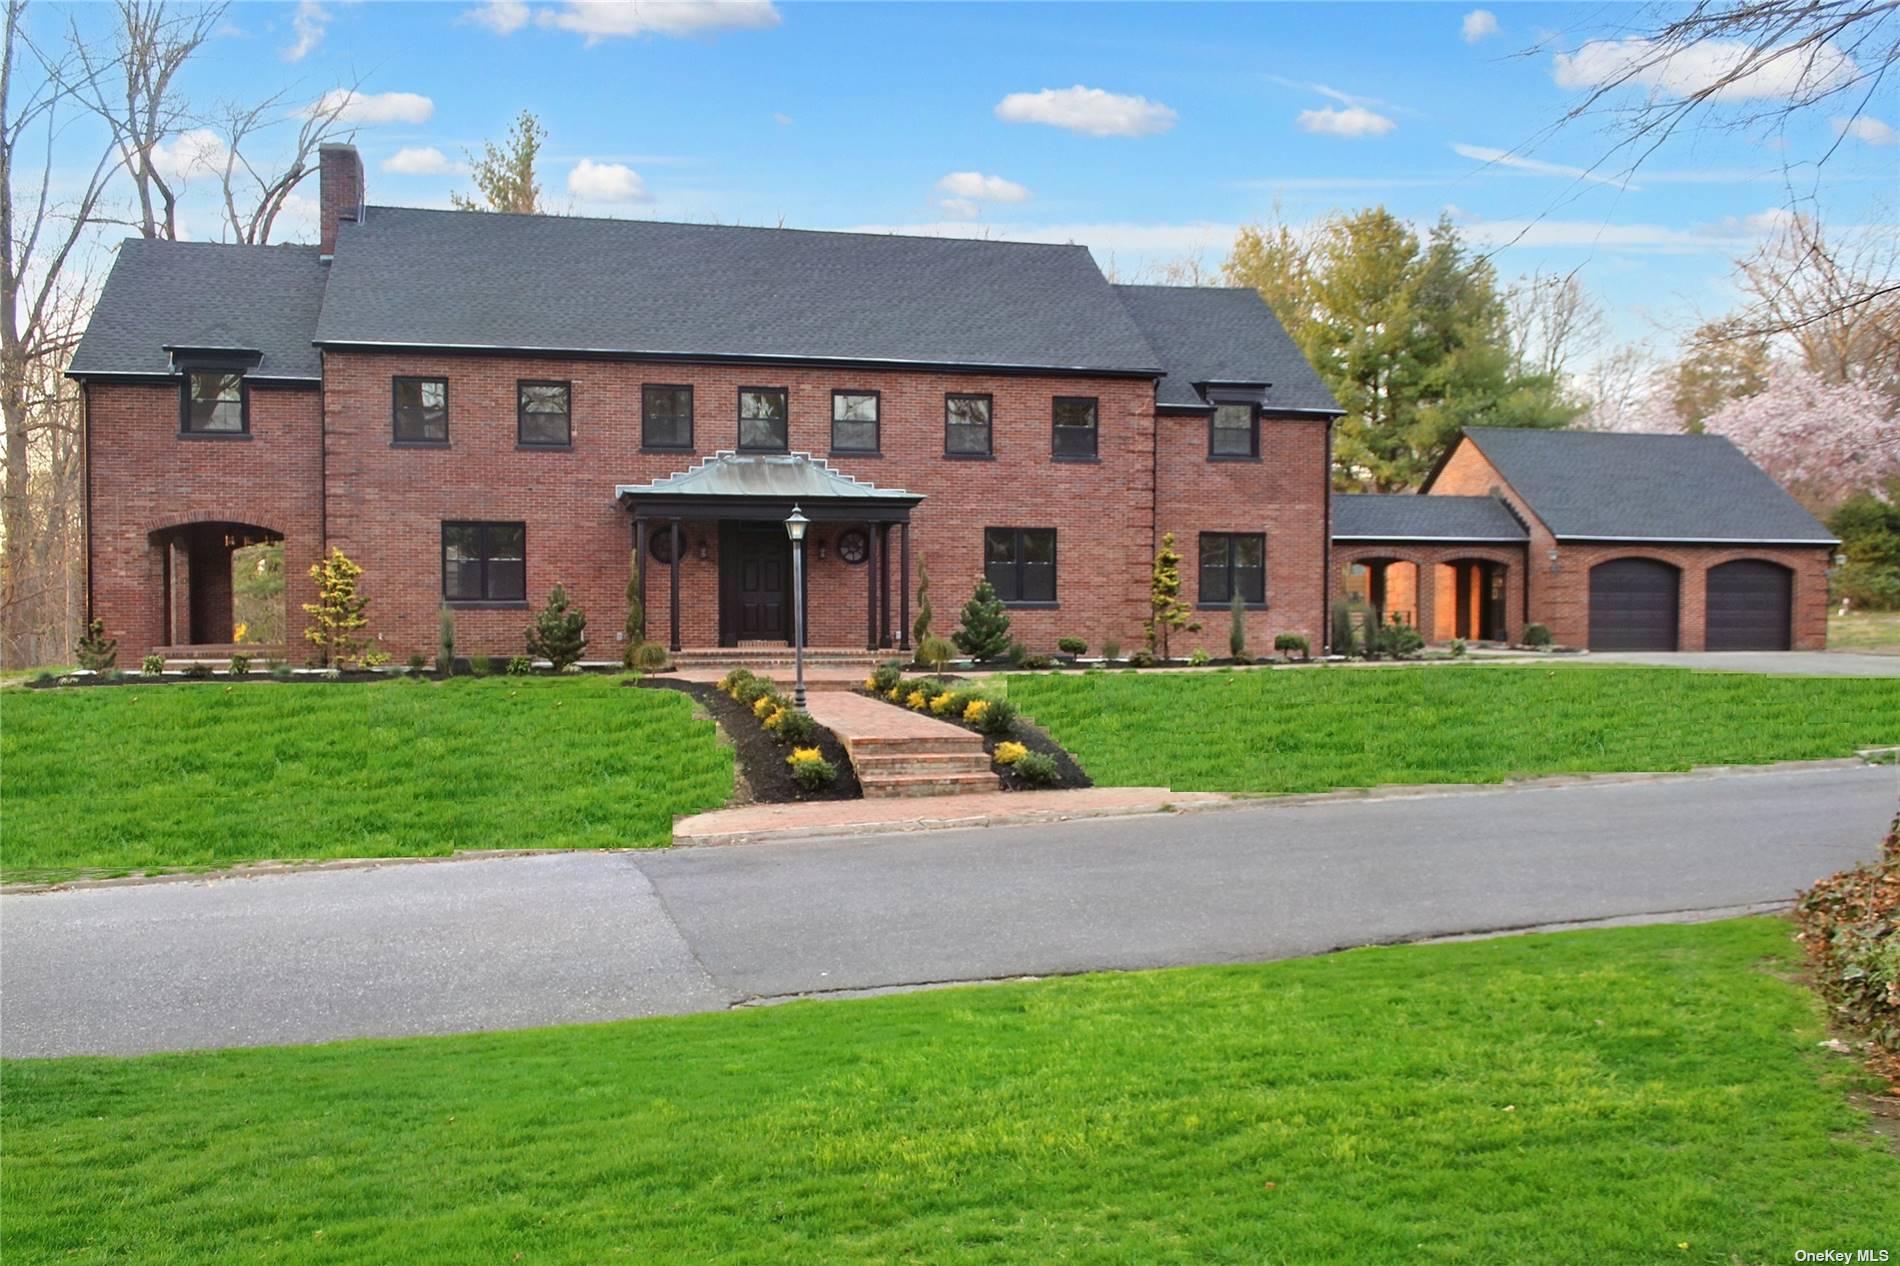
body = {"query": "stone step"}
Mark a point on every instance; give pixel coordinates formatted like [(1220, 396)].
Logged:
[(884, 786), (869, 763), (863, 745)]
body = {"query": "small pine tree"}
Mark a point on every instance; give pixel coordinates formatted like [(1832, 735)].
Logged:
[(1342, 629), (559, 633), (445, 643), (340, 614), (985, 631), (636, 625), (97, 652), (920, 627), (1237, 629), (1167, 610)]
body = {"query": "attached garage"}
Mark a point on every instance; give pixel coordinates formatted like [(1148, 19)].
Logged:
[(1633, 605), (1750, 606)]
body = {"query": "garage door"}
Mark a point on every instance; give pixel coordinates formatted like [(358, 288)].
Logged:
[(1633, 606), (1751, 605)]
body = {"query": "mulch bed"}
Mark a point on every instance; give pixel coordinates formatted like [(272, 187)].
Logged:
[(1069, 774), (760, 753)]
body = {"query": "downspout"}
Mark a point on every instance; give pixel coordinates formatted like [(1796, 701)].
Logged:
[(1326, 547), (85, 446)]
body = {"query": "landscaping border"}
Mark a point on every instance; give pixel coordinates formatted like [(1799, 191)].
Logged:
[(760, 753)]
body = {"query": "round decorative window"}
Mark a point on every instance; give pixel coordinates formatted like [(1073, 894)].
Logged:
[(660, 545), (854, 546)]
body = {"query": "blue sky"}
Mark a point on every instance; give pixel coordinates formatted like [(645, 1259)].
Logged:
[(968, 119)]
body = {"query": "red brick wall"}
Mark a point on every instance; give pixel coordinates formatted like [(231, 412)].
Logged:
[(1560, 588), (385, 505), (1283, 495), (1436, 595), (145, 478)]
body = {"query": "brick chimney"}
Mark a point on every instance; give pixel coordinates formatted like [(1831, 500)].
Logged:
[(340, 190)]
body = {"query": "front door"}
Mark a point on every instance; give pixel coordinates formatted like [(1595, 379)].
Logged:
[(760, 585)]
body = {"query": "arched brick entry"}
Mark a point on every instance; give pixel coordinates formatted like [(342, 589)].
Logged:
[(1489, 601), (196, 568)]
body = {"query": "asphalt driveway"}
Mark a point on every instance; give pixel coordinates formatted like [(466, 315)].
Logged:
[(462, 946), (1797, 663)]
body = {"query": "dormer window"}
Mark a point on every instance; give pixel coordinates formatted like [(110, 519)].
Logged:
[(216, 402)]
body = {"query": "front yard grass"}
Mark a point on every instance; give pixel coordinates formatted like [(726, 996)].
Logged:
[(1637, 1095), (129, 778), (1865, 631), (1316, 729)]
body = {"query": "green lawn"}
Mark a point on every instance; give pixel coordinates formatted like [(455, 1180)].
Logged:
[(1865, 631), (1640, 1095), (131, 778), (1314, 729)]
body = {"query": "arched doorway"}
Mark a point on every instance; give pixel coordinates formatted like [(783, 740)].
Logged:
[(1388, 585), (1750, 607), (1633, 605), (1471, 600), (223, 584)]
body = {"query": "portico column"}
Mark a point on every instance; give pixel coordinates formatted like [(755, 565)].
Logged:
[(640, 565), (674, 527), (884, 584), (870, 586), (903, 586), (1427, 597)]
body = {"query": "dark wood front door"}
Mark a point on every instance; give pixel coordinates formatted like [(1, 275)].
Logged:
[(758, 585)]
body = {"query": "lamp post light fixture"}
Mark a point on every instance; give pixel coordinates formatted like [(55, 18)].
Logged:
[(795, 525)]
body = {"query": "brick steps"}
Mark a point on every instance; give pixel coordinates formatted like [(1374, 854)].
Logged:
[(881, 786), (871, 761), (901, 754)]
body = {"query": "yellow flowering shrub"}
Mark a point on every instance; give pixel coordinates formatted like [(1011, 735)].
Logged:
[(1008, 753), (804, 756), (893, 693), (976, 711), (771, 718), (870, 683), (762, 705), (941, 704), (916, 699)]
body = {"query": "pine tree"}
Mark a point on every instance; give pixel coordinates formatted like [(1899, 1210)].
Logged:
[(920, 628), (985, 631), (340, 614), (1237, 627), (97, 652), (445, 642), (636, 625), (1167, 610), (559, 633)]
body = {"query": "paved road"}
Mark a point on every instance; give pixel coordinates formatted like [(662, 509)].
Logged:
[(461, 946), (1799, 663)]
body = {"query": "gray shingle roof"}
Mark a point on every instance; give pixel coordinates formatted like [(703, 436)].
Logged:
[(1603, 485), (775, 476), (1217, 334), (1408, 516), (205, 294), (466, 278)]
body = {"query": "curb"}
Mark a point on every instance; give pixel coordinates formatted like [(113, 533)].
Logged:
[(1193, 802)]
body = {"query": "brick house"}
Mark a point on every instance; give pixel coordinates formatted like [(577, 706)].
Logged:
[(1615, 542), (475, 407)]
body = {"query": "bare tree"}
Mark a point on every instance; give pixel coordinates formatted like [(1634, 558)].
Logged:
[(256, 193), (1551, 317), (40, 309), (1836, 301)]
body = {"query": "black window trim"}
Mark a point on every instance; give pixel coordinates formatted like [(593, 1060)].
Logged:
[(738, 419), (486, 600), (1055, 568), (185, 430), (1202, 602), (989, 452), (1253, 436), (1095, 431), (395, 413), (692, 409), (521, 412), (877, 423)]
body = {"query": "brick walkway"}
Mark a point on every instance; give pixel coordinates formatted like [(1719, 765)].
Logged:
[(897, 752), (762, 823)]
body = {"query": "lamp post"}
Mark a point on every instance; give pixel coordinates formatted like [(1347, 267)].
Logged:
[(795, 525)]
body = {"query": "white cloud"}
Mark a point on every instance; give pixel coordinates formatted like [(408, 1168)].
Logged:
[(610, 19), (1695, 68), (783, 120), (1087, 110), (962, 208), (503, 17), (1868, 130), (196, 152), (1353, 121), (1479, 23), (308, 23), (1504, 158), (977, 187), (605, 182), (1727, 235), (375, 107), (422, 160)]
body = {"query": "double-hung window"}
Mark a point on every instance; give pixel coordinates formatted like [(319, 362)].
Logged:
[(1021, 563), (421, 410), (854, 421), (966, 426), (1233, 563), (484, 562), (1075, 429), (1234, 431), (217, 402), (543, 414), (666, 413), (762, 412)]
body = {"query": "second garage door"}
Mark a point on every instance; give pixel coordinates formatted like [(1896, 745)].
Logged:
[(1751, 605), (1633, 606)]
